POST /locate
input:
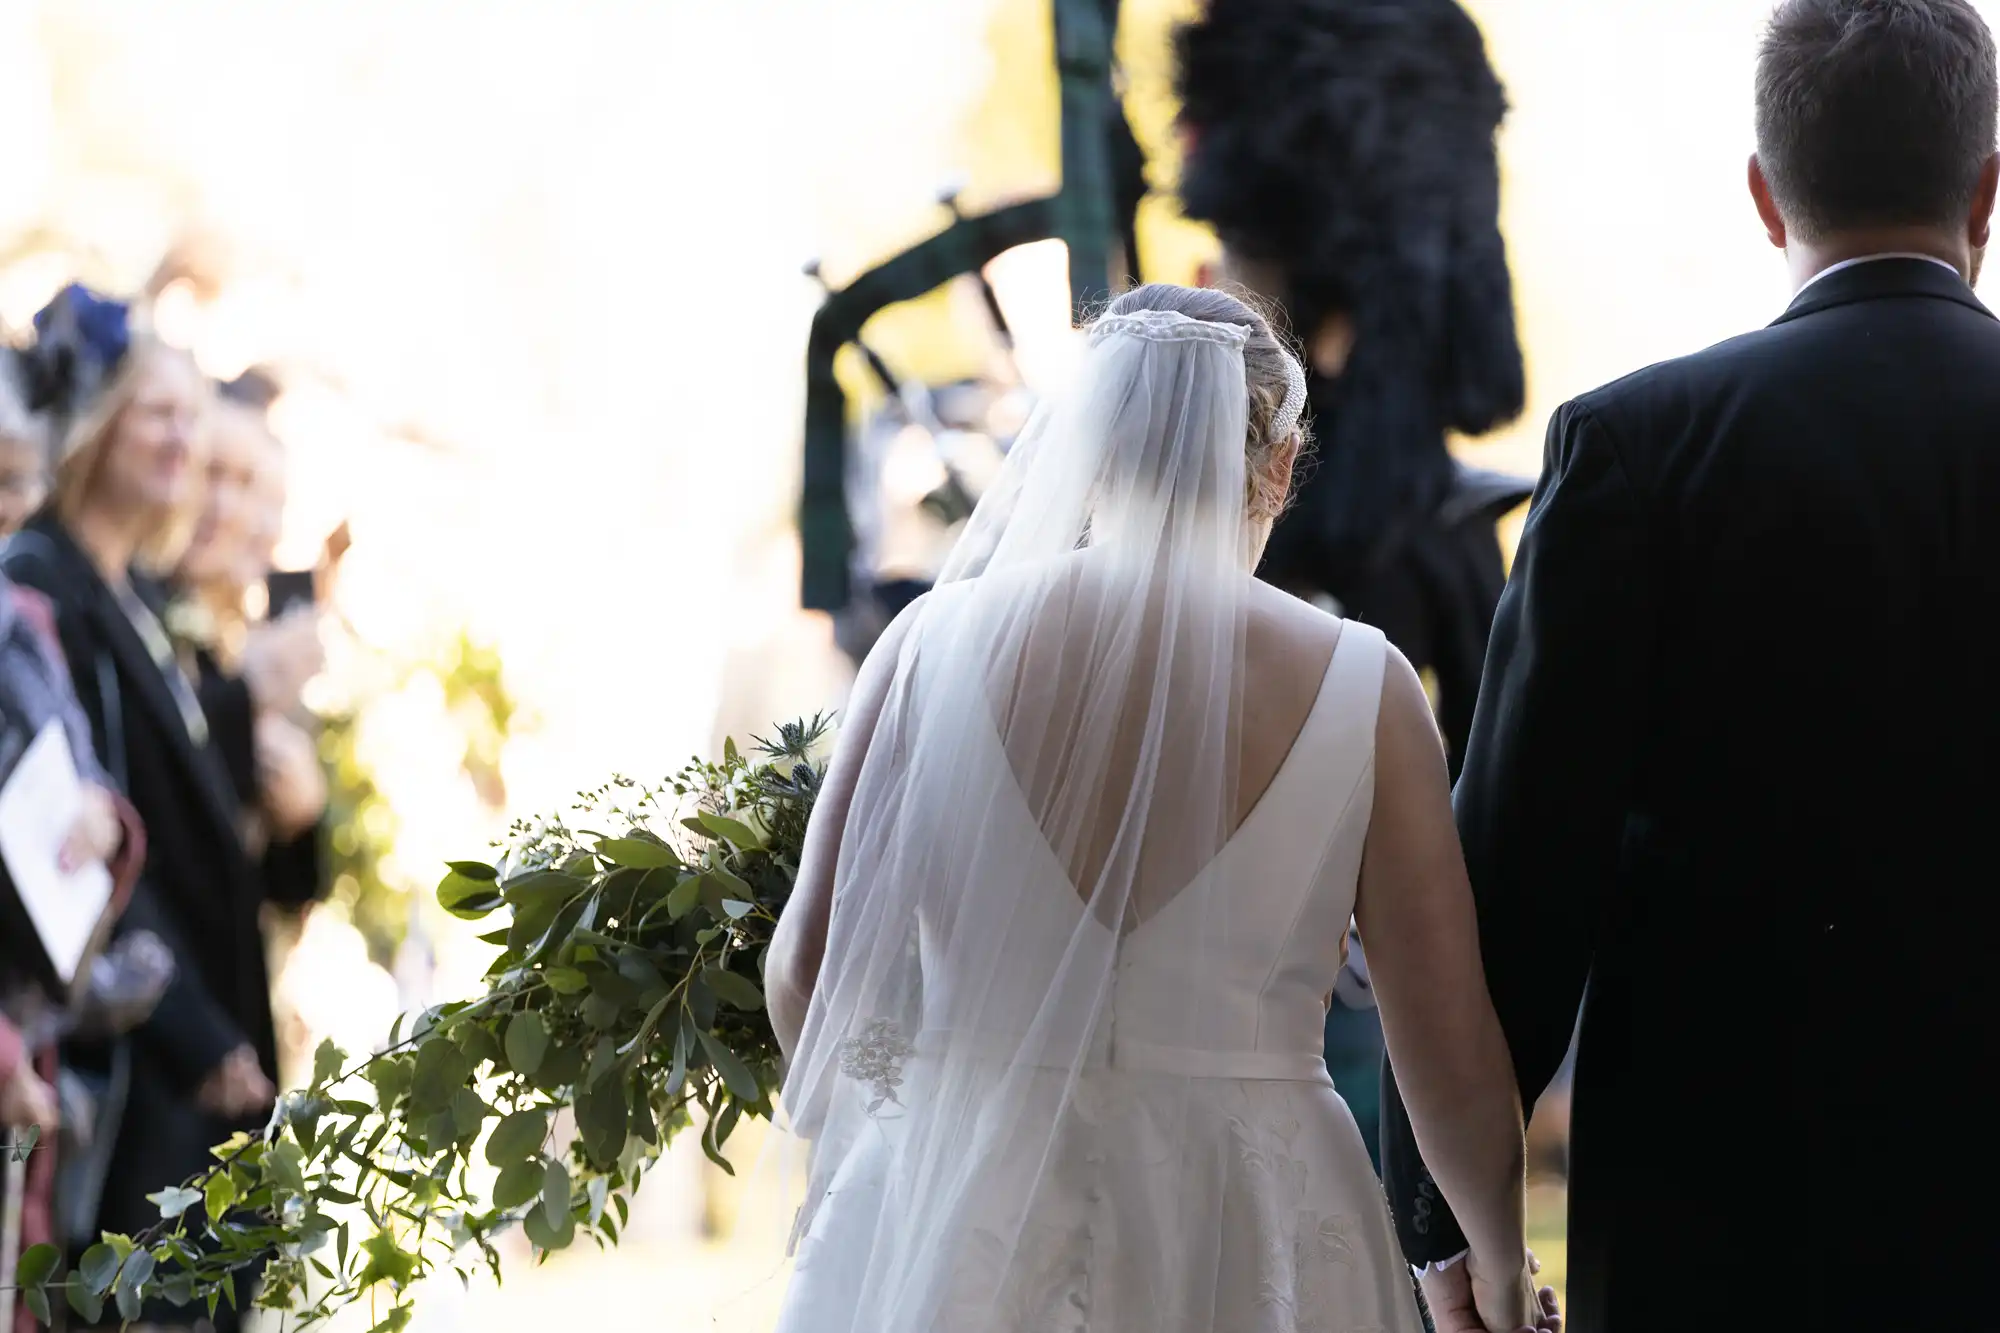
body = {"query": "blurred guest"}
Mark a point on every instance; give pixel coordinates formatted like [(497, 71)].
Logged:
[(129, 411), (35, 684), (250, 674), (35, 691), (35, 687)]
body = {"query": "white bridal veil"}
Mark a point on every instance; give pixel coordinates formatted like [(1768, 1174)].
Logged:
[(1057, 759)]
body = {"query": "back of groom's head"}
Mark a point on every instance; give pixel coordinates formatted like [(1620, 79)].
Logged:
[(1875, 113)]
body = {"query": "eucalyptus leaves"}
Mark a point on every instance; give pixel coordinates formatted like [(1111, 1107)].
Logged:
[(627, 993)]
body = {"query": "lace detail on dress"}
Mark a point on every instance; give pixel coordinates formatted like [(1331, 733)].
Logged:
[(1303, 1259), (1040, 1283), (876, 1058)]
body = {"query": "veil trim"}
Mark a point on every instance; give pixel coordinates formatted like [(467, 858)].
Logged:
[(1168, 326), (1171, 326)]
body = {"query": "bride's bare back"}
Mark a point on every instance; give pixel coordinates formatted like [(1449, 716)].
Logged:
[(1279, 657)]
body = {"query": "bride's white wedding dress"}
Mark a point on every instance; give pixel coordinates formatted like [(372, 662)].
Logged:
[(1297, 1236), (1062, 1068)]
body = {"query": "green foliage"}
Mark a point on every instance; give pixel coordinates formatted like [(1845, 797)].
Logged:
[(361, 832), (627, 990)]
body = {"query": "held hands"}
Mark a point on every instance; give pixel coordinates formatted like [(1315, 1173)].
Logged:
[(236, 1087), (1462, 1300), (1511, 1302), (97, 833)]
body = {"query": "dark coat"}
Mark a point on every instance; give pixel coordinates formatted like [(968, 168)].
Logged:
[(1731, 789)]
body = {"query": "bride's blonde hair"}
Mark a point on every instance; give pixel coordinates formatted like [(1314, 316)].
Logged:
[(1265, 373)]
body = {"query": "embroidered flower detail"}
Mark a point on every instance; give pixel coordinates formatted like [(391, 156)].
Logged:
[(1036, 1282), (1335, 1242), (1305, 1253), (876, 1057)]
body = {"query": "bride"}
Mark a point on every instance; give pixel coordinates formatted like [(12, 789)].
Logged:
[(1053, 981)]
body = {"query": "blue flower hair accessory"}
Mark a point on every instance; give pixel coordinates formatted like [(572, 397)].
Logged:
[(80, 339)]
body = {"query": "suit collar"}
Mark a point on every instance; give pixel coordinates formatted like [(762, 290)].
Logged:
[(1878, 279)]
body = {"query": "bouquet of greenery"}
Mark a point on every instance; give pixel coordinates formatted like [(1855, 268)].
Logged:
[(627, 991)]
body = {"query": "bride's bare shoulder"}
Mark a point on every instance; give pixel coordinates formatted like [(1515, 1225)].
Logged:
[(1290, 632), (1291, 626)]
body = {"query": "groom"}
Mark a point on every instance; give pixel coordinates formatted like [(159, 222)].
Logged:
[(1731, 788)]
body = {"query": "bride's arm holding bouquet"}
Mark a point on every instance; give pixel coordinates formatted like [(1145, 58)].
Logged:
[(1417, 922), (798, 945)]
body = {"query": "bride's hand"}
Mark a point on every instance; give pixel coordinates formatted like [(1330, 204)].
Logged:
[(1510, 1303)]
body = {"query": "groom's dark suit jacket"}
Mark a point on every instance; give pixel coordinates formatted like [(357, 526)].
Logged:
[(1730, 789)]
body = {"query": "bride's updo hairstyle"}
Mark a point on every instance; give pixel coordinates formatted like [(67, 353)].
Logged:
[(1267, 377)]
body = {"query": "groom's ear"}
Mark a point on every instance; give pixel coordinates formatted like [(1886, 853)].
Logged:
[(1767, 206), (1979, 226)]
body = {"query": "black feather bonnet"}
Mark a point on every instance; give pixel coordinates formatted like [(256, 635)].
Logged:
[(1348, 145)]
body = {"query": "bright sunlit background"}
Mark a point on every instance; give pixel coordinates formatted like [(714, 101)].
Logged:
[(531, 273)]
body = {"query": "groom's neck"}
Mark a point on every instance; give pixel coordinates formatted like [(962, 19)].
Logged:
[(1808, 259)]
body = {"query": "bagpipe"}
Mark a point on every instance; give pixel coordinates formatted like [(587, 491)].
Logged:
[(1092, 212)]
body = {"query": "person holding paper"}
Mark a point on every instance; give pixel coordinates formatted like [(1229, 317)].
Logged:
[(35, 694), (34, 690)]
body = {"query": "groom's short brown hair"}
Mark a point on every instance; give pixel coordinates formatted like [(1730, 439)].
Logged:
[(1875, 113)]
